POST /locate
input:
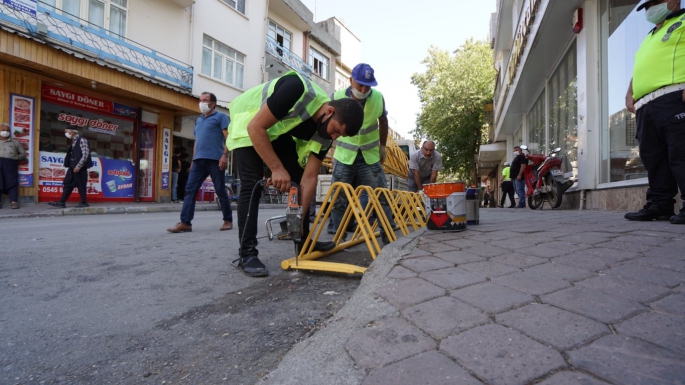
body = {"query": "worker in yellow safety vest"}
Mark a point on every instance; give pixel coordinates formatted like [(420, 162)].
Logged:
[(288, 123), (358, 159)]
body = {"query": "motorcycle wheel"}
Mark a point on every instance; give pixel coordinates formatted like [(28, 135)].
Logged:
[(535, 201), (556, 192), (229, 191)]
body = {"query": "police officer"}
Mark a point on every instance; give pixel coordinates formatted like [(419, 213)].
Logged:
[(507, 187), (657, 95), (289, 124)]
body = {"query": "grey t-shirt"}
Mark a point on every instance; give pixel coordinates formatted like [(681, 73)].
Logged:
[(426, 166)]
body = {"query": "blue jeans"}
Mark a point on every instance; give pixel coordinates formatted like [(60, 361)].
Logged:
[(174, 186), (359, 173), (520, 187), (198, 173)]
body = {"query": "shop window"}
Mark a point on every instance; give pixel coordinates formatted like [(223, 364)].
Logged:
[(537, 141), (280, 35), (319, 63), (108, 14), (222, 62), (563, 110), (238, 5), (622, 30)]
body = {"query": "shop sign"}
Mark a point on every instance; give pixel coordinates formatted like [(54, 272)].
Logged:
[(107, 179), (96, 125), (85, 102), (522, 32), (21, 126), (26, 6), (166, 149)]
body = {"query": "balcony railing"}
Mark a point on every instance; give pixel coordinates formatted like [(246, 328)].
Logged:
[(288, 58), (91, 40)]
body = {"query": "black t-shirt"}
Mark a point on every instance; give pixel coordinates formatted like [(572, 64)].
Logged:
[(287, 92), (174, 163), (516, 166)]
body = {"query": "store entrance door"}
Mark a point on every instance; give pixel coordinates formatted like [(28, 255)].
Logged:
[(146, 156)]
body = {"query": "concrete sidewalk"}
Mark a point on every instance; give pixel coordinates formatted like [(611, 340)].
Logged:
[(548, 297)]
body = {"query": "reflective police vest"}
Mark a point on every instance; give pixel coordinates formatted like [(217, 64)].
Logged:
[(368, 138), (244, 108)]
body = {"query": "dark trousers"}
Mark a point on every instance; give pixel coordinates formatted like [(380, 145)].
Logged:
[(251, 171), (9, 178), (198, 173), (661, 138), (75, 179), (507, 189)]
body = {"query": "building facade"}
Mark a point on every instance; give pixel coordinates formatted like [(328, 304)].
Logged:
[(563, 71)]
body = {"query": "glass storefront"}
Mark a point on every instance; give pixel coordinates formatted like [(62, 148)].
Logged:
[(536, 126), (622, 30)]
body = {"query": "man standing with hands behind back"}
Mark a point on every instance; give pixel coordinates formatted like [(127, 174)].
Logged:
[(656, 95), (518, 166), (209, 158), (424, 165)]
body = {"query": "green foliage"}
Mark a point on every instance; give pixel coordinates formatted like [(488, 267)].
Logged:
[(453, 93)]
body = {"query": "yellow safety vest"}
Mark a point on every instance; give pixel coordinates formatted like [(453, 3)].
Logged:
[(368, 138), (505, 173), (244, 108)]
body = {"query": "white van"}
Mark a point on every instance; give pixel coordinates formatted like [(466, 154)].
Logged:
[(407, 146)]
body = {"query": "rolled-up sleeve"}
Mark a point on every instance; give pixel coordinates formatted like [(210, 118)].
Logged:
[(437, 164)]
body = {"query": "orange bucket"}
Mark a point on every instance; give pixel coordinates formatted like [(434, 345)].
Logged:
[(443, 190)]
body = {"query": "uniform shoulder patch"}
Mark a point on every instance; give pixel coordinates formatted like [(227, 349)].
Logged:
[(674, 27)]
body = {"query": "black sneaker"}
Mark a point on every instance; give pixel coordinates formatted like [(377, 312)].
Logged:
[(57, 204), (81, 205), (678, 219), (251, 266), (385, 239), (324, 246), (650, 213)]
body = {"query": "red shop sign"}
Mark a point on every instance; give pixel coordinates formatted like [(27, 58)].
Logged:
[(75, 99)]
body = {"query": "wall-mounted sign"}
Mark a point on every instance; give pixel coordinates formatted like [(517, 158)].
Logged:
[(86, 102), (166, 149), (26, 6), (22, 128)]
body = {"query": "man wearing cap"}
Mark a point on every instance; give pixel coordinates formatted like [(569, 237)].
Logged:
[(507, 187), (656, 95), (77, 161), (424, 165), (359, 158)]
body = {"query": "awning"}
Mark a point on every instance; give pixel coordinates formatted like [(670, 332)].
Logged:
[(489, 157)]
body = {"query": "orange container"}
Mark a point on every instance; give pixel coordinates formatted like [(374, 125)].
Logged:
[(443, 190)]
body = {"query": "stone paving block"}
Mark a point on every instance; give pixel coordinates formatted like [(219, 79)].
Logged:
[(673, 304), (488, 269), (400, 272), (586, 238), (417, 253), (532, 283), (513, 243), (652, 233), (558, 270), (572, 378), (660, 263), (452, 278), (436, 247), (595, 259), (624, 287), (439, 236), (487, 251), (426, 368), (552, 249), (491, 297), (492, 236), (629, 361), (648, 274), (501, 355), (624, 246), (425, 264), (558, 328), (444, 316), (409, 292), (665, 330), (519, 260), (463, 243), (641, 239), (593, 304), (386, 341), (459, 257), (670, 251)]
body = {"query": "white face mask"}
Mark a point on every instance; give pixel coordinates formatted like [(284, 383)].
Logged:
[(68, 135), (360, 95), (5, 134), (516, 153), (204, 107), (657, 13)]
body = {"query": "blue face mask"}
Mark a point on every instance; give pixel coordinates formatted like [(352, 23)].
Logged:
[(657, 13)]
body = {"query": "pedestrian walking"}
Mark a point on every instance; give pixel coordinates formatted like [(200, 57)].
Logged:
[(11, 153), (507, 187), (77, 161)]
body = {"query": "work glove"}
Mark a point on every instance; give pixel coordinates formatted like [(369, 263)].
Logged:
[(381, 150)]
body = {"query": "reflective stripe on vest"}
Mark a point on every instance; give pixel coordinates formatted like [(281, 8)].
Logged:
[(244, 108), (368, 138)]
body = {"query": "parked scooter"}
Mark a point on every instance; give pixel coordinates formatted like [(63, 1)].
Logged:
[(544, 178)]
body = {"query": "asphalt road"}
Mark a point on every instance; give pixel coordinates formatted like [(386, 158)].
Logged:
[(116, 299)]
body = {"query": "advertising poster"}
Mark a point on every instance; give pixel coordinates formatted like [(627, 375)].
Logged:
[(26, 6), (147, 157), (107, 179), (21, 126), (165, 158)]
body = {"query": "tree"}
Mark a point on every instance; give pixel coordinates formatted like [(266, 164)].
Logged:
[(453, 93)]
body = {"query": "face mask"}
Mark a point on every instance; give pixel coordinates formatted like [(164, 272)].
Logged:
[(204, 108), (5, 134), (360, 95), (657, 13), (68, 135), (516, 153), (322, 128)]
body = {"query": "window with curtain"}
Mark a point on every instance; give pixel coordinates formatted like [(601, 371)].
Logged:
[(563, 110), (319, 63), (223, 63), (280, 35), (238, 5), (107, 14)]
